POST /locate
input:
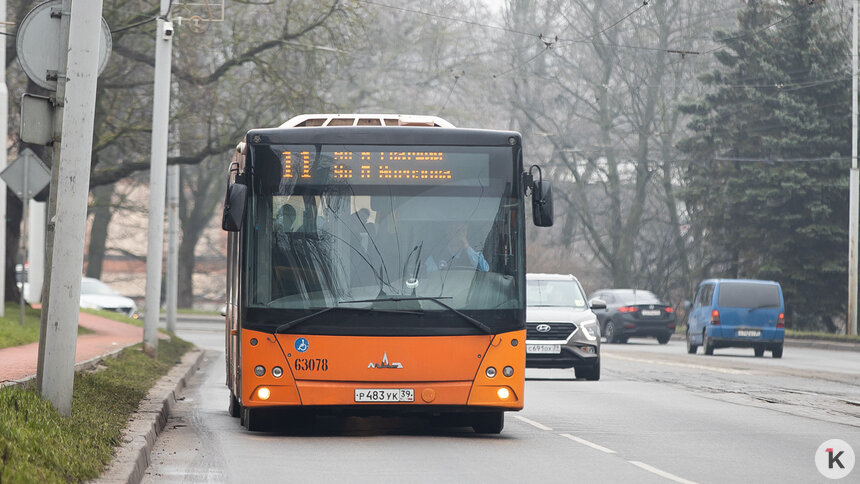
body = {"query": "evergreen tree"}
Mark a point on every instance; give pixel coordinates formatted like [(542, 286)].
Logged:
[(766, 184)]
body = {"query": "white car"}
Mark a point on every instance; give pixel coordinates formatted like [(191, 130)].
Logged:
[(95, 294), (561, 330)]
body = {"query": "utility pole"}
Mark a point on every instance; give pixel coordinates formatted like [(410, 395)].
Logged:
[(4, 121), (59, 108), (854, 183), (157, 179), (172, 245), (73, 176)]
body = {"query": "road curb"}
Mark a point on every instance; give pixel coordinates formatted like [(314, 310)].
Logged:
[(133, 457), (805, 343)]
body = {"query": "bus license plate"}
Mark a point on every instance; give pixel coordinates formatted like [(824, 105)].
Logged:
[(543, 348), (754, 333), (384, 395)]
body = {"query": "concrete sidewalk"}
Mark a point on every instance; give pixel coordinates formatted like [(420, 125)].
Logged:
[(19, 362)]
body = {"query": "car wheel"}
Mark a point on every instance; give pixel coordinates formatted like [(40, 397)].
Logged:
[(591, 374), (623, 339), (611, 337), (776, 352), (759, 351), (235, 408), (707, 344), (691, 348), (664, 338), (488, 422)]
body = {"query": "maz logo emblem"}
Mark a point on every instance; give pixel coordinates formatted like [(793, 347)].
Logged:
[(385, 363), (543, 328)]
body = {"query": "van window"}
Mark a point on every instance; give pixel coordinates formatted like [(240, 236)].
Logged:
[(747, 295), (706, 296)]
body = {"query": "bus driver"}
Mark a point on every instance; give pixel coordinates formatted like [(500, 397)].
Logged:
[(457, 252)]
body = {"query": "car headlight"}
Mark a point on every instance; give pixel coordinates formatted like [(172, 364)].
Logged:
[(590, 330)]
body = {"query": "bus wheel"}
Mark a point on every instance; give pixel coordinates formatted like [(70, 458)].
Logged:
[(235, 408), (488, 422)]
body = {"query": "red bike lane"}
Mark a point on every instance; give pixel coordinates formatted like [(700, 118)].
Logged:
[(19, 362)]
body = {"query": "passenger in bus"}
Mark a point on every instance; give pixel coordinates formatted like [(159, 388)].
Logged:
[(364, 229), (286, 218), (457, 252)]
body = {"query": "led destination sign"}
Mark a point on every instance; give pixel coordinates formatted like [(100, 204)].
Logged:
[(387, 167)]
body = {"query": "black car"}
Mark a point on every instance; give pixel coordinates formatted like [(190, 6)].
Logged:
[(634, 312)]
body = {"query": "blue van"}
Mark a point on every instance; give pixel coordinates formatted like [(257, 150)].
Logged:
[(737, 312)]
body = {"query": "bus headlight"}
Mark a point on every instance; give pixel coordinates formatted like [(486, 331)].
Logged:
[(259, 370), (277, 372), (264, 393), (508, 371), (491, 372), (503, 393)]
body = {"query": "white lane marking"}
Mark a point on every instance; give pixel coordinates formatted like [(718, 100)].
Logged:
[(533, 423), (680, 365), (664, 474), (590, 444)]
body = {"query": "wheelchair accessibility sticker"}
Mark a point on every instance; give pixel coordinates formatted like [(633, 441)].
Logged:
[(302, 345)]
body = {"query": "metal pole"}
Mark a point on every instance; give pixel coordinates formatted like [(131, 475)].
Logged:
[(854, 184), (157, 182), (172, 245), (72, 193), (36, 252), (25, 218), (4, 117)]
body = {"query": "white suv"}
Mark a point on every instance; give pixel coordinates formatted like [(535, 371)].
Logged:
[(561, 330)]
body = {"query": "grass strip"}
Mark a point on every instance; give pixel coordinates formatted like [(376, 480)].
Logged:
[(37, 444), (843, 338), (114, 316), (13, 333)]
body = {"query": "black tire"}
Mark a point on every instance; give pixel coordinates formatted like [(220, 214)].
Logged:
[(664, 338), (759, 351), (691, 348), (592, 373), (611, 337), (776, 351), (707, 344), (235, 408), (253, 420), (623, 339), (488, 422)]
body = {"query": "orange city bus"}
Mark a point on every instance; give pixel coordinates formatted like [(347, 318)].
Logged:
[(376, 265)]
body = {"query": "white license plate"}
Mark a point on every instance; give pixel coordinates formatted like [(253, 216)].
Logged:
[(749, 332), (384, 395), (650, 312), (543, 348)]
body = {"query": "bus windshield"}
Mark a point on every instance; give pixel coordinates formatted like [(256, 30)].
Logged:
[(428, 233)]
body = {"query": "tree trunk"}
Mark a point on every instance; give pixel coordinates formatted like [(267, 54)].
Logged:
[(13, 240), (102, 214), (185, 284)]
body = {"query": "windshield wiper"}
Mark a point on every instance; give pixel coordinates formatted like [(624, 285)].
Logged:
[(763, 306), (483, 327), (298, 321)]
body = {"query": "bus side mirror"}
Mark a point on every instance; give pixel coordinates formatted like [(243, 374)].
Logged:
[(541, 196), (234, 206), (542, 203)]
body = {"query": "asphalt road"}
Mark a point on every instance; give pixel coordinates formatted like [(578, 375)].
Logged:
[(656, 415)]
